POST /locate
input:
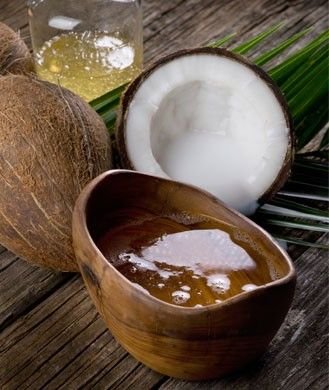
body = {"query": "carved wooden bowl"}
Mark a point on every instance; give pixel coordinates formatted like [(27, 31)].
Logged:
[(190, 343)]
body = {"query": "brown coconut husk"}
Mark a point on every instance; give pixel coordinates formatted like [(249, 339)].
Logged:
[(52, 145), (14, 54)]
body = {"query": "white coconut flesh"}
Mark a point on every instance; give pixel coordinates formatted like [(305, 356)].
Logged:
[(210, 121)]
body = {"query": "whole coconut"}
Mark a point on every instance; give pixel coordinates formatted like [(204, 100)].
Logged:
[(52, 145), (14, 54)]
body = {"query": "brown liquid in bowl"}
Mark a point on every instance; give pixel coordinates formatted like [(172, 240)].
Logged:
[(199, 262)]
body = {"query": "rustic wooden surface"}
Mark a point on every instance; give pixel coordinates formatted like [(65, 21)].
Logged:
[(51, 335)]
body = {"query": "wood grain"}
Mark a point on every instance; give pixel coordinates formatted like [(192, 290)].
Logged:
[(22, 286), (161, 335), (297, 363)]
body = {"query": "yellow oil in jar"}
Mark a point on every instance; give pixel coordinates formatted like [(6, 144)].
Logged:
[(89, 63), (187, 265)]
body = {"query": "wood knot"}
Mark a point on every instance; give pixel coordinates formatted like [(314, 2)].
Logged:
[(90, 276)]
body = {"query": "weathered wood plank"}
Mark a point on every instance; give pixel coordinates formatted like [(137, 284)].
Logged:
[(64, 329), (203, 21), (22, 286), (14, 13), (6, 258), (54, 337)]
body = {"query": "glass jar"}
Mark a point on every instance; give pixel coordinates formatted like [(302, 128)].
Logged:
[(87, 46)]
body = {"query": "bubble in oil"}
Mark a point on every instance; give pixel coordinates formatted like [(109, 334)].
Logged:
[(242, 236), (185, 218), (179, 297), (220, 283), (249, 287)]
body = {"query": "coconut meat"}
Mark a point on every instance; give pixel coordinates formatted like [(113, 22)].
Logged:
[(210, 121)]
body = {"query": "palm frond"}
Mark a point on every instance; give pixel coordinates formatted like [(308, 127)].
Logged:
[(295, 211), (293, 224), (296, 241), (264, 58), (325, 140), (283, 71), (246, 47), (107, 105), (222, 41)]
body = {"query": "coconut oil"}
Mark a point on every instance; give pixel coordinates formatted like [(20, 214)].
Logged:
[(191, 265), (90, 63)]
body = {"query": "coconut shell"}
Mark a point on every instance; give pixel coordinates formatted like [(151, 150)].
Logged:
[(129, 94), (52, 145), (14, 54)]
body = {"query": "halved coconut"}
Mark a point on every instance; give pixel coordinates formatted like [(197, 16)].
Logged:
[(208, 117)]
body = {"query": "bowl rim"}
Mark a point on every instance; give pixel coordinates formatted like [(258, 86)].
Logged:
[(80, 224)]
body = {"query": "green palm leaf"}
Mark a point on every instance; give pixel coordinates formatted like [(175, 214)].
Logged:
[(246, 47), (268, 56)]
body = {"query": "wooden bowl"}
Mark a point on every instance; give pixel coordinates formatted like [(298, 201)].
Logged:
[(189, 343)]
